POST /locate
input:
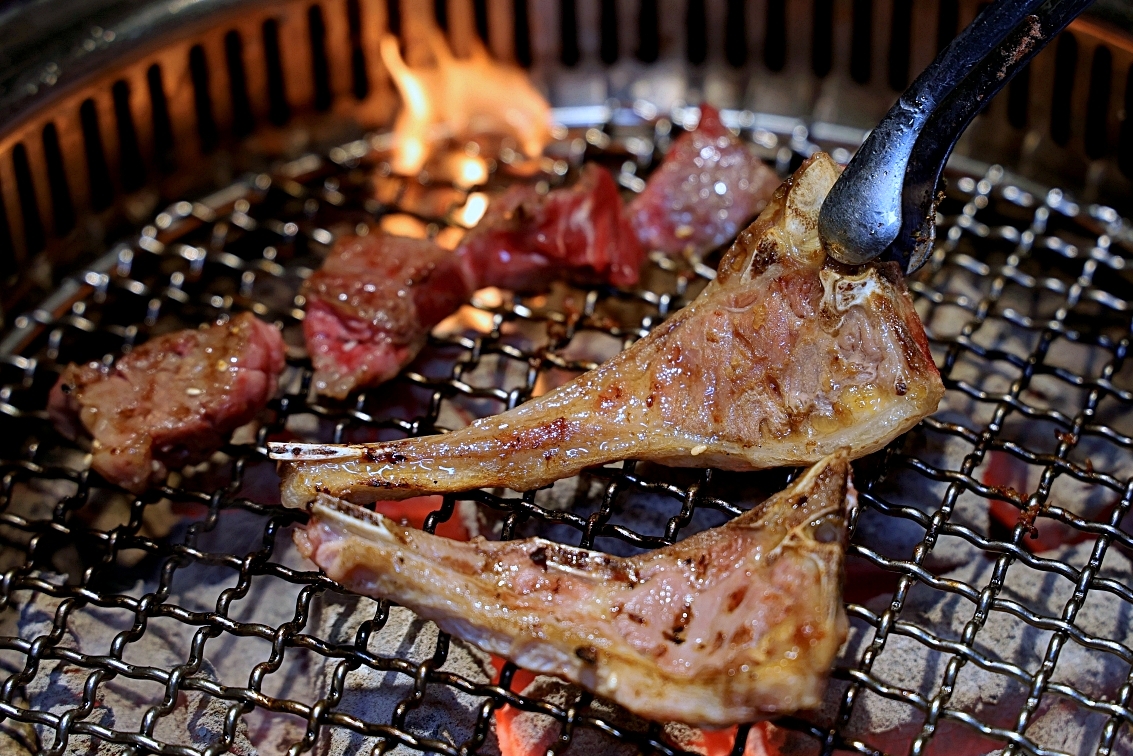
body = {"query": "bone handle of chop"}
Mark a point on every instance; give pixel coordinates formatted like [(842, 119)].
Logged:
[(292, 452)]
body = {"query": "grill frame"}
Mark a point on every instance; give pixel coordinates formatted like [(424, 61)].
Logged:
[(157, 146)]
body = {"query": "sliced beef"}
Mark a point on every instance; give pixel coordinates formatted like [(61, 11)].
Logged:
[(172, 401), (579, 234), (705, 192), (371, 305)]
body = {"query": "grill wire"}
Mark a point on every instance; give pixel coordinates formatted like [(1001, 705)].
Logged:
[(1037, 270)]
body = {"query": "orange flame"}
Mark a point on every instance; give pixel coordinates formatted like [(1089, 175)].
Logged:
[(456, 98)]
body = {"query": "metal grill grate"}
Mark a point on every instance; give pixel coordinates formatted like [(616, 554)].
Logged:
[(1026, 302)]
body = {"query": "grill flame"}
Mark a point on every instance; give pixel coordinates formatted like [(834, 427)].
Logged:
[(458, 98)]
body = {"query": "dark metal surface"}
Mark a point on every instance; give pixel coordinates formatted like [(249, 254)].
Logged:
[(934, 145), (868, 212), (1029, 270), (51, 47)]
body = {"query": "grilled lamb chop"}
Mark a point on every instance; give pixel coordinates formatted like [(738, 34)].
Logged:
[(371, 305), (172, 401), (783, 359), (526, 240), (709, 187), (732, 624)]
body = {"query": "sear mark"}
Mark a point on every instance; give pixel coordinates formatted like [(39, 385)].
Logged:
[(588, 654), (379, 457), (680, 625), (766, 254), (546, 436)]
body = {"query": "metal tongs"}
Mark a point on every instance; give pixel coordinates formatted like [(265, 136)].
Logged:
[(884, 204)]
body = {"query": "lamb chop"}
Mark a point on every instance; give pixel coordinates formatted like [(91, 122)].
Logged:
[(732, 624), (526, 240), (784, 358), (709, 187), (172, 401), (371, 305)]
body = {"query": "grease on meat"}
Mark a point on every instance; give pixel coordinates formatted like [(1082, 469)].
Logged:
[(783, 359), (578, 233), (709, 186), (371, 305), (736, 623), (172, 401)]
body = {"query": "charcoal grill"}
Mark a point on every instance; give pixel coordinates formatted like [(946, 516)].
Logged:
[(164, 164)]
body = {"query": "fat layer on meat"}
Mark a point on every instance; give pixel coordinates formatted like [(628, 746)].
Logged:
[(526, 240), (371, 305), (733, 624), (783, 359), (172, 401), (708, 188)]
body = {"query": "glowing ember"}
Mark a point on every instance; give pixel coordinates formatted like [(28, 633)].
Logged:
[(399, 224), (522, 734), (488, 297), (764, 739), (459, 98), (472, 318), (473, 210), (468, 170), (1011, 478), (463, 320), (449, 238), (414, 511)]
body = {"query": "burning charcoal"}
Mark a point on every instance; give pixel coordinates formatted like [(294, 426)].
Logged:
[(993, 697), (764, 739), (524, 733), (445, 714)]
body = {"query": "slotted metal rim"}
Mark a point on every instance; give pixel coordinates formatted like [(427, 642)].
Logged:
[(169, 271)]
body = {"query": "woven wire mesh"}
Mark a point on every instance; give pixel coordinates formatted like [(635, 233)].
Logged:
[(1026, 303)]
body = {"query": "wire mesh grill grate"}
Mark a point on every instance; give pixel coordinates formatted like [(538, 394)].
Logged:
[(1026, 302)]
